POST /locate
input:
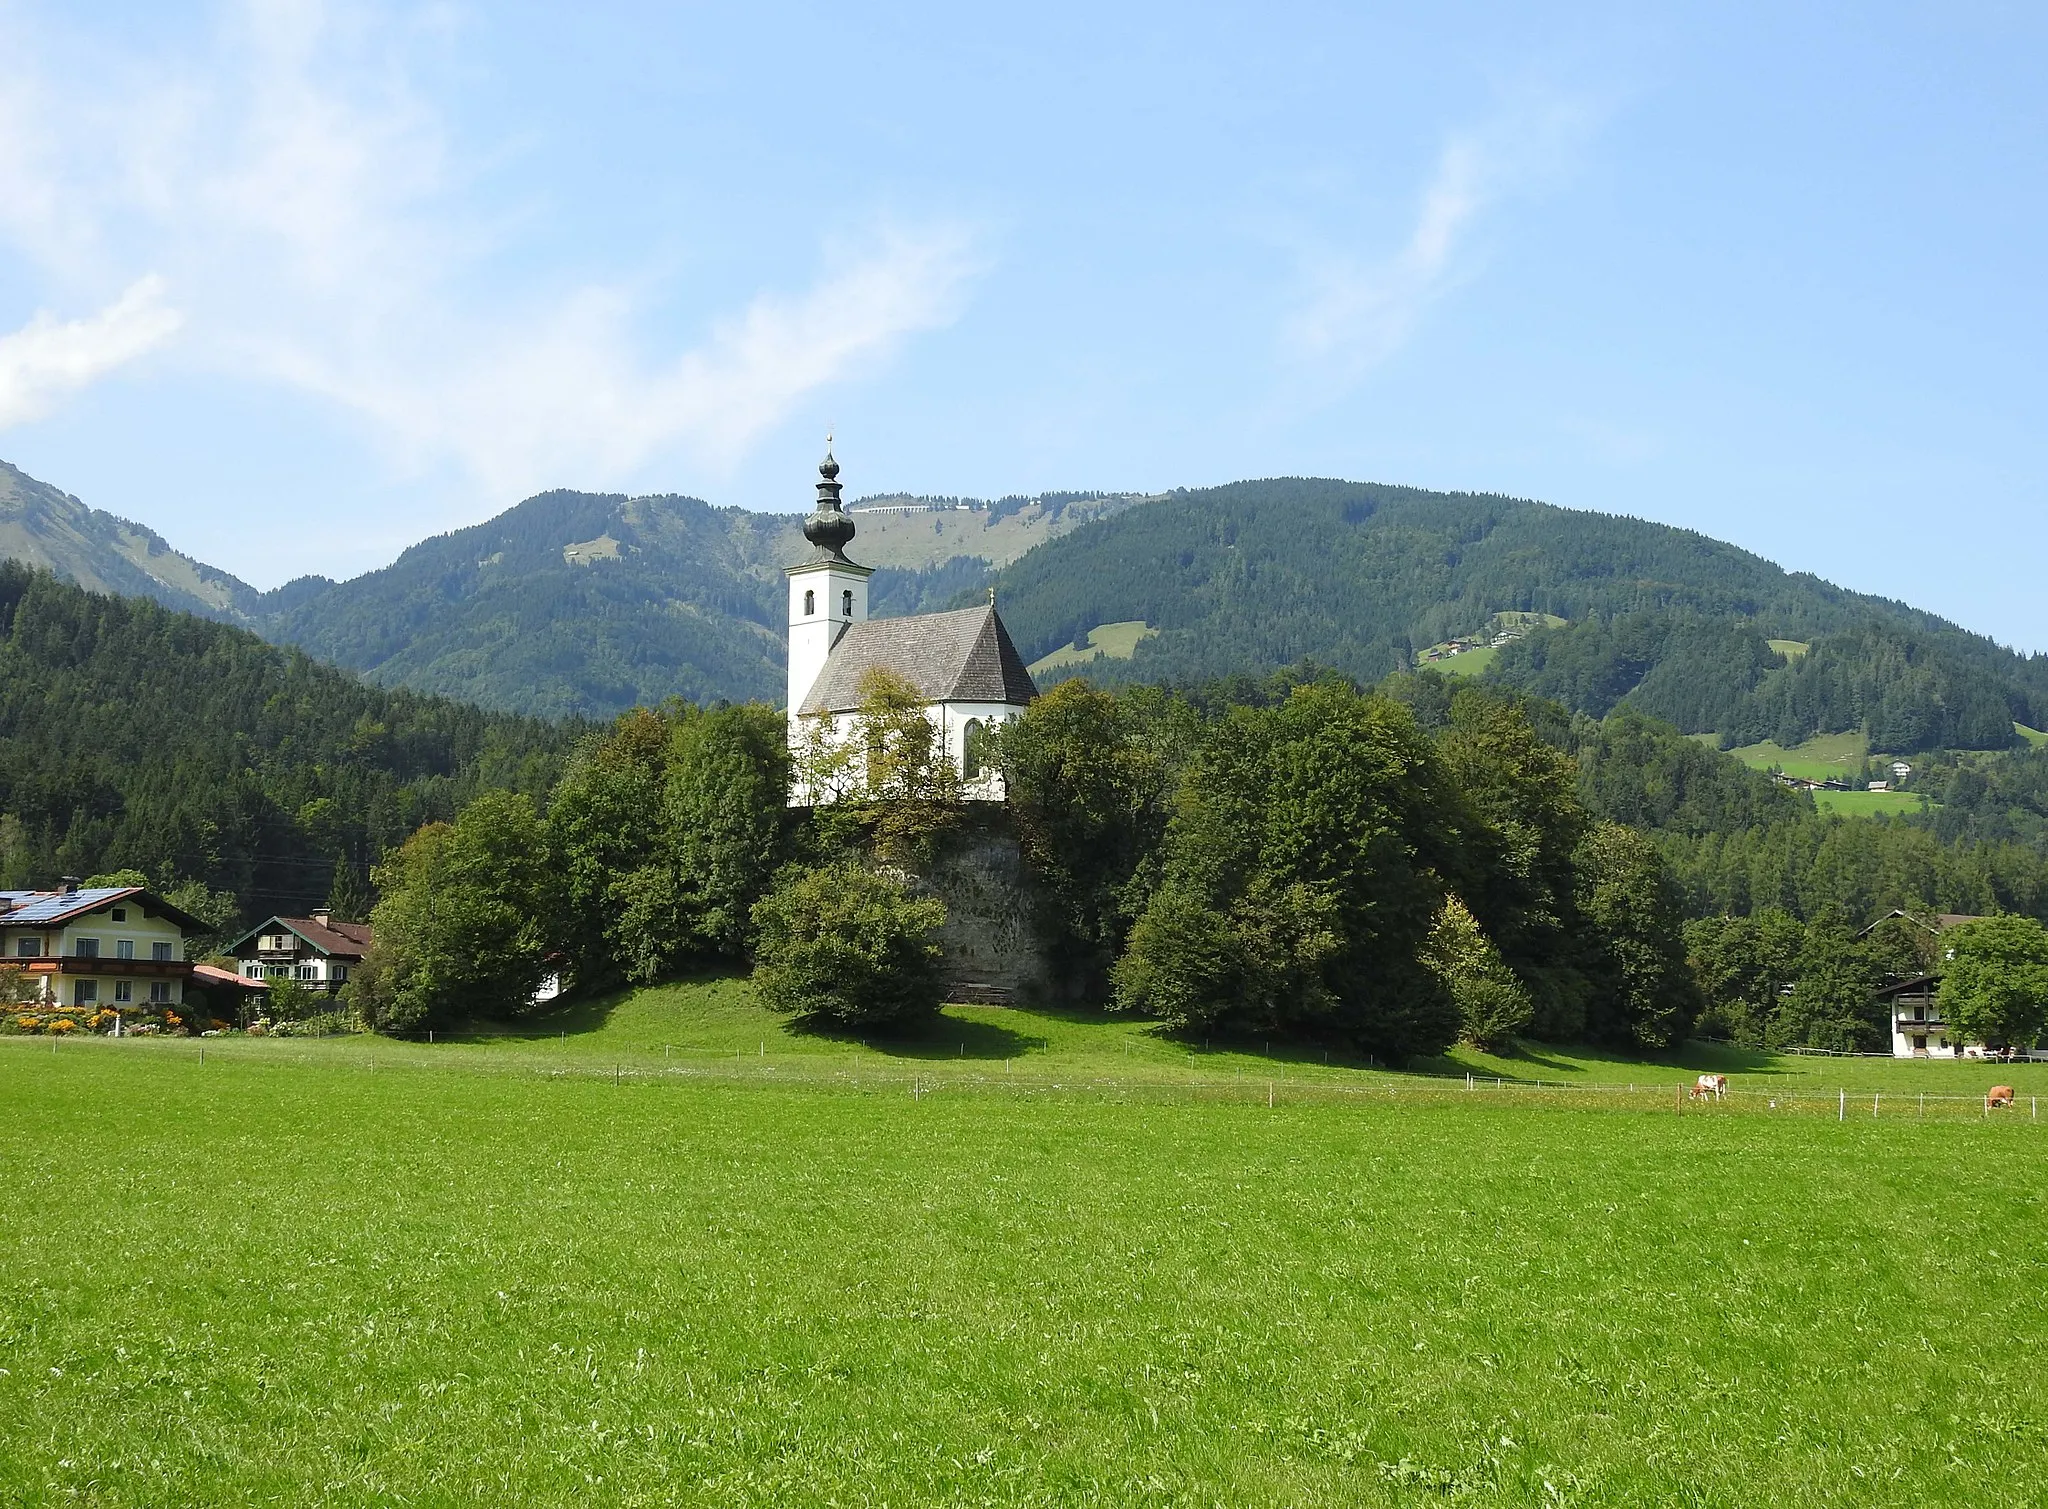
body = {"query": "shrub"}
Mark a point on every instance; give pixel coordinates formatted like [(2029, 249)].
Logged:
[(848, 944)]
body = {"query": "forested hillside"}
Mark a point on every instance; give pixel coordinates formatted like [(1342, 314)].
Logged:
[(1910, 688), (570, 603), (135, 737), (1262, 574)]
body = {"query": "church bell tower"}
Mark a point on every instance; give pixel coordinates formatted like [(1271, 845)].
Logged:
[(828, 594)]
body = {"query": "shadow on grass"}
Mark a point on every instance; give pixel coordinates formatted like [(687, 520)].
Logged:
[(1591, 1064), (945, 1037), (1334, 1053), (592, 1014)]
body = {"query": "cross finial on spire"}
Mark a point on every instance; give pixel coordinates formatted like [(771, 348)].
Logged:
[(991, 594)]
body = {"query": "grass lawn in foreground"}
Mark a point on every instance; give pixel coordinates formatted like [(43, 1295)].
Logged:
[(266, 1279), (584, 1267)]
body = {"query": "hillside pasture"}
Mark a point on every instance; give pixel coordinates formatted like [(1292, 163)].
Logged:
[(1870, 803), (1118, 641), (560, 1268), (1469, 663), (1825, 757)]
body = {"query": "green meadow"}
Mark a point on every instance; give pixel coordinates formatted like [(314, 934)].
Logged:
[(1869, 803), (1117, 641), (670, 1250), (1470, 663), (1824, 757)]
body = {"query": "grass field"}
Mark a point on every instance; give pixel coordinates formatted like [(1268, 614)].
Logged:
[(1118, 641), (1821, 758), (1791, 649), (2033, 736), (669, 1251), (1470, 663), (1869, 803)]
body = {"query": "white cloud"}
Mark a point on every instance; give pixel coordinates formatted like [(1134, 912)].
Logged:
[(315, 215), (1356, 313), (45, 361)]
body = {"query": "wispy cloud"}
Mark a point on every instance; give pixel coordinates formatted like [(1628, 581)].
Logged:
[(46, 361), (312, 212), (1354, 313)]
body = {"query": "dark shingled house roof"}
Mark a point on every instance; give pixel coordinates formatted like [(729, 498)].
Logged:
[(963, 656)]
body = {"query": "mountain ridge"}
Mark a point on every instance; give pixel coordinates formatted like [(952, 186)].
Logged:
[(583, 604)]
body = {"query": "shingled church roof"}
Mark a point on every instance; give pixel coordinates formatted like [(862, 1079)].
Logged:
[(963, 656)]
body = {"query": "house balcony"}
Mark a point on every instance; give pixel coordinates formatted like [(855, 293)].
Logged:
[(76, 964), (1920, 1024)]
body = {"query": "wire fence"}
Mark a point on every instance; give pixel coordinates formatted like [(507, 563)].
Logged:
[(860, 1072)]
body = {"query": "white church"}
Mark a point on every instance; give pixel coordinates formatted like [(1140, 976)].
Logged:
[(962, 663)]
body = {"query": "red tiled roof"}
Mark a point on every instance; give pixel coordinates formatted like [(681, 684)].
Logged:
[(213, 974), (349, 940)]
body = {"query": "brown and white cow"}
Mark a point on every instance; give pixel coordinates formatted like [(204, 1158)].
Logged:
[(1715, 1085), (2001, 1095)]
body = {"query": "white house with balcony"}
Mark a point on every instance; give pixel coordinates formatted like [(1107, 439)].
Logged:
[(314, 951), (962, 663)]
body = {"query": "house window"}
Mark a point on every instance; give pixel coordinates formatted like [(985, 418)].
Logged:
[(88, 948), (161, 952), (124, 992), (307, 972), (810, 603), (846, 605), (159, 992), (119, 914), (28, 948), (85, 992), (337, 972), (124, 948)]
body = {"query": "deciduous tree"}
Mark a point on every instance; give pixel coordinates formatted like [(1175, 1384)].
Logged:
[(1994, 982)]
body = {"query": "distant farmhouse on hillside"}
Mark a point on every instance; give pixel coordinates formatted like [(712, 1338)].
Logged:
[(961, 663)]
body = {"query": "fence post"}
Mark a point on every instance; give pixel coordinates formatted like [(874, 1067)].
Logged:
[(1842, 1110)]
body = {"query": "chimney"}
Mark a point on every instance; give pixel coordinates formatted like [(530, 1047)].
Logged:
[(70, 885), (321, 914)]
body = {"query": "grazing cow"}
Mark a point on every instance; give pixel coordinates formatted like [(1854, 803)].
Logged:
[(1715, 1085), (2001, 1095)]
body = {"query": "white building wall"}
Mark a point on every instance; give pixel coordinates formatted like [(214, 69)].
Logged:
[(951, 719)]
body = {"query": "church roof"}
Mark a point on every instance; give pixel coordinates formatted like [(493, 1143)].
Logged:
[(963, 656)]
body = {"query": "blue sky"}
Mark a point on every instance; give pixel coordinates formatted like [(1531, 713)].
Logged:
[(297, 283)]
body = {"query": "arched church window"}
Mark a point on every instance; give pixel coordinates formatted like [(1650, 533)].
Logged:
[(810, 603), (977, 749), (846, 605)]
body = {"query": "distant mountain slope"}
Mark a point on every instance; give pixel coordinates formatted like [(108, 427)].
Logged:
[(43, 526), (1262, 574), (920, 533), (569, 603), (585, 604), (590, 603)]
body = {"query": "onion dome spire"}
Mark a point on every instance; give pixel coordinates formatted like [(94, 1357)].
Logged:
[(829, 528)]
